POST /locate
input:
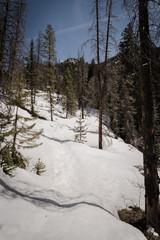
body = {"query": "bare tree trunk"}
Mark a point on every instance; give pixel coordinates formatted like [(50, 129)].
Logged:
[(108, 31), (15, 132), (51, 103), (82, 109), (104, 89), (82, 98), (150, 161), (99, 77)]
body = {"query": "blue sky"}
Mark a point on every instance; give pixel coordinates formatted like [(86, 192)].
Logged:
[(70, 20)]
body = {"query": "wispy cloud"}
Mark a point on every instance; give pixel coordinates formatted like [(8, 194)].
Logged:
[(73, 29)]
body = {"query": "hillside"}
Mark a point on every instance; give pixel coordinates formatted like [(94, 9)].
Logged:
[(82, 189)]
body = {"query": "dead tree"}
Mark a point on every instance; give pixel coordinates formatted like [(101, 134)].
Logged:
[(150, 161)]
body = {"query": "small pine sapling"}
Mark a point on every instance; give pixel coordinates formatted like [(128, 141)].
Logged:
[(80, 130), (39, 167)]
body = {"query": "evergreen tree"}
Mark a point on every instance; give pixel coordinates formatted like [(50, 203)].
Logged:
[(82, 84), (126, 121), (32, 75), (5, 119), (70, 93), (49, 55), (92, 86), (39, 82), (39, 167), (111, 109), (11, 39), (6, 161), (129, 92), (80, 130), (16, 41)]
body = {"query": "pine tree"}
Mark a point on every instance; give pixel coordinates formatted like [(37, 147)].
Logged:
[(92, 86), (16, 41), (21, 133), (38, 51), (127, 127), (82, 84), (129, 59), (129, 92), (70, 93), (39, 167), (6, 161), (5, 118), (49, 55), (11, 39), (80, 130), (32, 75), (111, 100)]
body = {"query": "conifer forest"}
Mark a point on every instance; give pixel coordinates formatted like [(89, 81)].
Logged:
[(64, 126)]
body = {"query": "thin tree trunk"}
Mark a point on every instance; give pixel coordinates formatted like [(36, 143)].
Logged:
[(51, 103), (108, 31), (99, 78), (15, 132), (150, 161), (32, 100), (82, 109), (50, 81), (82, 97)]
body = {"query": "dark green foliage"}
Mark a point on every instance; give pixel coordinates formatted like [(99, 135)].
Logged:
[(11, 39), (111, 101), (69, 92), (16, 132), (80, 130), (39, 167), (7, 162), (49, 54), (82, 75), (11, 159), (5, 120), (32, 73), (129, 90), (92, 86)]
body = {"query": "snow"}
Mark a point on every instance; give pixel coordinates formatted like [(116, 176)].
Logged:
[(81, 191)]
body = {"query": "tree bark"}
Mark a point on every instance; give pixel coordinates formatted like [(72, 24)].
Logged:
[(150, 161), (15, 132), (99, 78), (108, 31)]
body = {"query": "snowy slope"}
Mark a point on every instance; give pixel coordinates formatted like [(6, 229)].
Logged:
[(79, 194)]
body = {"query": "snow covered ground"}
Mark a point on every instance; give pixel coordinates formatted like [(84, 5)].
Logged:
[(78, 196)]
